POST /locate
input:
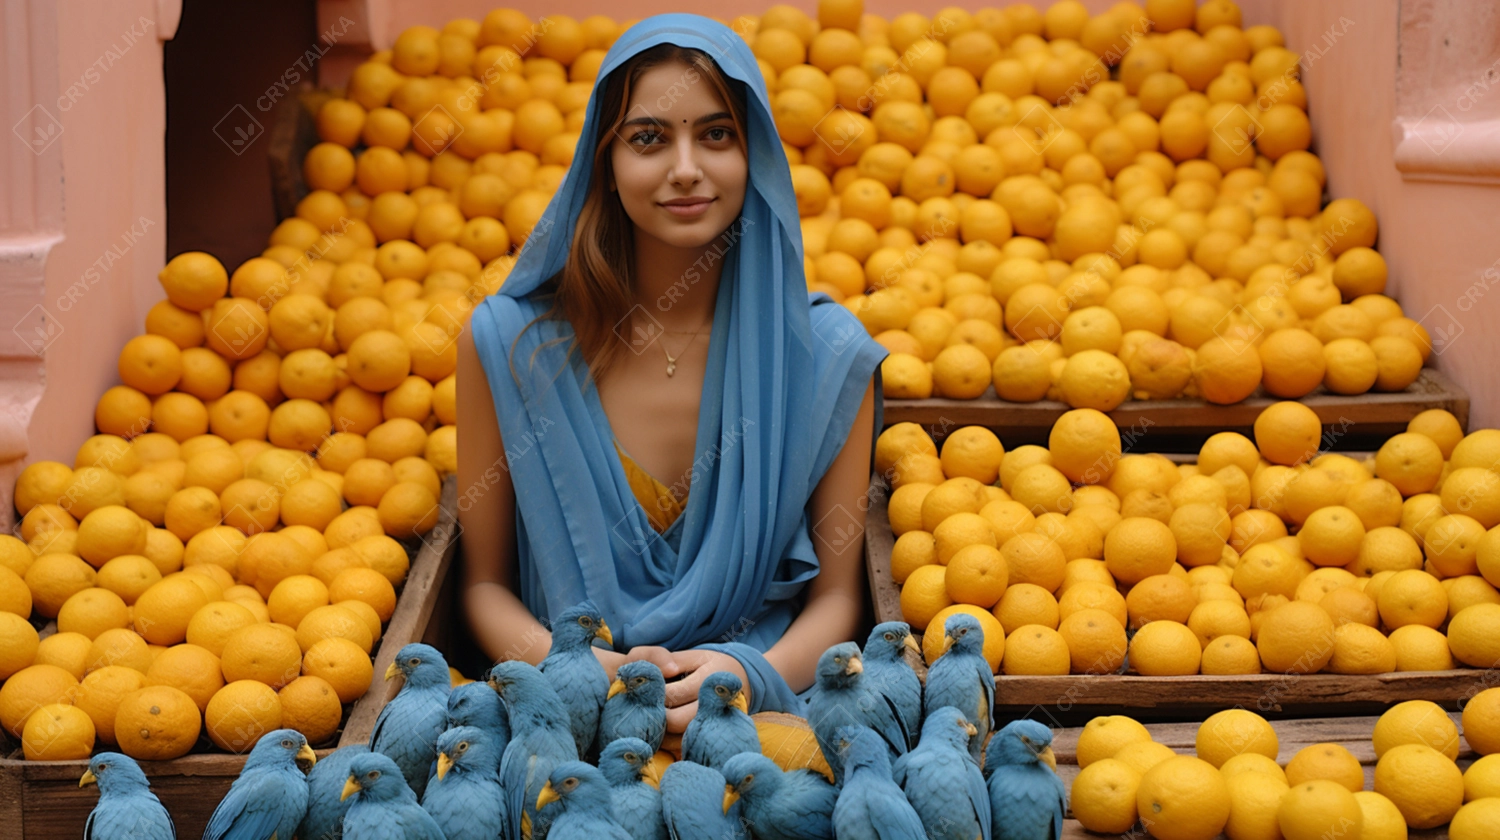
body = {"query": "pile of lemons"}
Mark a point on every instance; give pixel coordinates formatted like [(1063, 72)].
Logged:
[(1232, 782), (1061, 205), (1264, 556), (220, 559)]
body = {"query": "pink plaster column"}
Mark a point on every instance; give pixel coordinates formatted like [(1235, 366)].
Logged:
[(83, 230)]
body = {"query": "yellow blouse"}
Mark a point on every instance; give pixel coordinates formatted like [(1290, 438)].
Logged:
[(662, 508)]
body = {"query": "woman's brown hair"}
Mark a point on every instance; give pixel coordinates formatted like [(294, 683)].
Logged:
[(592, 290)]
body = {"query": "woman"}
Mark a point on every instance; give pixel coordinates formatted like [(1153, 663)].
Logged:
[(638, 336)]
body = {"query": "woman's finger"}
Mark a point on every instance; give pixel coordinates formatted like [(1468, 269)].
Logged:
[(678, 718), (658, 656)]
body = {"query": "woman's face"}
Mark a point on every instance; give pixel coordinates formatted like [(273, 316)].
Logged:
[(679, 142)]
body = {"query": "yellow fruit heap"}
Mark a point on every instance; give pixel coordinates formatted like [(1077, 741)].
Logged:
[(1264, 556), (1232, 782)]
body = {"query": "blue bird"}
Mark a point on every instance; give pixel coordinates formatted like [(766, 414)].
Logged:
[(540, 739), (127, 807), (325, 810), (943, 784), (636, 705), (780, 805), (1022, 786), (465, 799), (582, 796), (889, 673), (476, 704), (840, 697), (383, 806), (408, 726), (692, 804), (870, 805), (961, 678), (269, 799), (576, 673), (625, 762), (721, 728)]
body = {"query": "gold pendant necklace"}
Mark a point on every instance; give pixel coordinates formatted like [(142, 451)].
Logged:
[(672, 360)]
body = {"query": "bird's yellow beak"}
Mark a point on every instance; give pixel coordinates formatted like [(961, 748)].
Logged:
[(350, 787), (391, 671), (731, 796), (603, 633), (652, 774), (971, 729), (87, 778), (911, 645), (615, 687), (741, 702), (444, 765), (306, 754), (947, 643), (548, 794), (1047, 757), (855, 666)]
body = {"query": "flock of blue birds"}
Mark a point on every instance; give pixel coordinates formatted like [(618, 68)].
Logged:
[(560, 752)]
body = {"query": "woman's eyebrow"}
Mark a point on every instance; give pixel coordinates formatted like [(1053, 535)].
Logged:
[(660, 123)]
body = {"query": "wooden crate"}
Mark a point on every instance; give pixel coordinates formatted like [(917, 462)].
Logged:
[(1353, 733), (1067, 699), (42, 799), (1350, 422)]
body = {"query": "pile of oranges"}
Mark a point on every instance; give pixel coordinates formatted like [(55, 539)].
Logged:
[(1264, 556), (1234, 780)]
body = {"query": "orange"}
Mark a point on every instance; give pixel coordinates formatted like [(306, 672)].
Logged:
[(379, 360), (270, 558), (351, 525), (58, 732), (977, 575), (384, 555), (239, 415), (371, 587), (123, 647), (184, 328), (1139, 547), (1096, 641), (395, 439), (294, 597), (240, 713), (407, 509), (31, 688), (91, 612), (100, 693), (163, 612), (68, 651), (343, 665), (212, 625), (190, 668), (18, 644), (237, 328), (328, 166), (311, 706), (150, 364), (1296, 638), (194, 280), (923, 595), (54, 578), (122, 411), (264, 653), (157, 723), (1165, 648), (333, 621)]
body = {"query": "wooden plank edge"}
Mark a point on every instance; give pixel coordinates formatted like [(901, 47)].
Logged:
[(413, 608)]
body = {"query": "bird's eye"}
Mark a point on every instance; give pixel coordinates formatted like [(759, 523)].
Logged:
[(463, 745), (104, 767), (570, 783), (1025, 740), (287, 743), (721, 690), (890, 637), (748, 779), (637, 682), (414, 662), (373, 775), (630, 757), (839, 660), (585, 621)]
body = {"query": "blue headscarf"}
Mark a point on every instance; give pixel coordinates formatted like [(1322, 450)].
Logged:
[(787, 371)]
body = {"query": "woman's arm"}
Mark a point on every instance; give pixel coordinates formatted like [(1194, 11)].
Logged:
[(501, 624), (835, 597)]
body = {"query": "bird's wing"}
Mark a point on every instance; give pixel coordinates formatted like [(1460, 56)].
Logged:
[(979, 797), (1060, 805), (894, 818), (380, 720), (899, 769), (886, 719), (987, 682), (250, 811), (88, 826)]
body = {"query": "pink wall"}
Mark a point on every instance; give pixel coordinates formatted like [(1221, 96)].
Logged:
[(84, 229)]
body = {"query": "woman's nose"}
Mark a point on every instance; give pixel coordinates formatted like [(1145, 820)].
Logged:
[(685, 166)]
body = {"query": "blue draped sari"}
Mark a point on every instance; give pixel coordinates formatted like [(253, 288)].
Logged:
[(787, 371)]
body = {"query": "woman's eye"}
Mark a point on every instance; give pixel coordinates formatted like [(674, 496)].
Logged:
[(640, 136), (727, 132)]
